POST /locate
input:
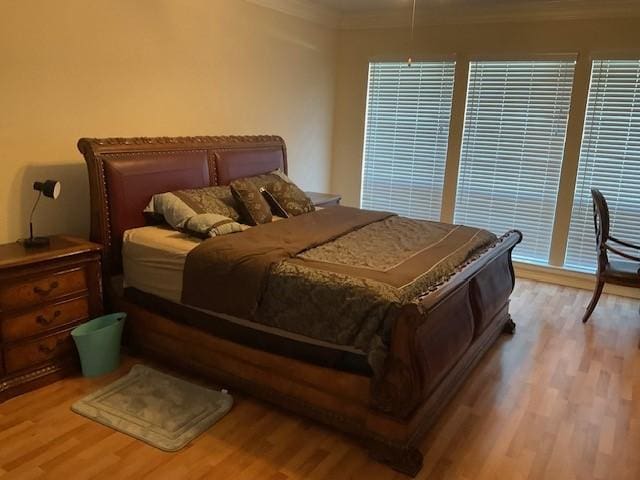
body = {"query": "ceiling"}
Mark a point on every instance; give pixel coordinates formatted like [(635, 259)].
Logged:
[(355, 14), (363, 6)]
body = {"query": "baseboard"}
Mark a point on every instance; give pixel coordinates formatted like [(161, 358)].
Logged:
[(569, 278)]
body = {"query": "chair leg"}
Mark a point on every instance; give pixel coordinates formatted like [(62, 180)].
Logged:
[(594, 300)]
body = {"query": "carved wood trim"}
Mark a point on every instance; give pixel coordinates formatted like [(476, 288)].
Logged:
[(448, 284), (28, 377), (212, 160), (26, 381), (102, 145)]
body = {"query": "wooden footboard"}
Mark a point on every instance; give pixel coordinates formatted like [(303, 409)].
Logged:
[(432, 334), (436, 342)]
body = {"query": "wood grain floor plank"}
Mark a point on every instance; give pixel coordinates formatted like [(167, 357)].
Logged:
[(558, 400)]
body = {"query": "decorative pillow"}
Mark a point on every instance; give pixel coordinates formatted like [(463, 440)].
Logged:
[(276, 208), (217, 199), (288, 195), (253, 207), (212, 225), (202, 212)]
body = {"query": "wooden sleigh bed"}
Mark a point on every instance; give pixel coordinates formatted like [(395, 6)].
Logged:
[(435, 340)]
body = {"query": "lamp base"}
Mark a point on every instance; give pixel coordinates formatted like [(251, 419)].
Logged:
[(36, 242)]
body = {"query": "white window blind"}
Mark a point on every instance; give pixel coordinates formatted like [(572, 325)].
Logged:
[(512, 149), (406, 136), (609, 160)]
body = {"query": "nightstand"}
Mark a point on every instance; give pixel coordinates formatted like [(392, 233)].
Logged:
[(44, 293), (324, 199)]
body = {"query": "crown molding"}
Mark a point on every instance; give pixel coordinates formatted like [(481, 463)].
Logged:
[(533, 10), (304, 9), (537, 10)]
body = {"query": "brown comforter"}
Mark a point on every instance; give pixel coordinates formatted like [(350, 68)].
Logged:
[(331, 275)]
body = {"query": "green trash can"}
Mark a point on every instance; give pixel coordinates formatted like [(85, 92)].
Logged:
[(98, 343)]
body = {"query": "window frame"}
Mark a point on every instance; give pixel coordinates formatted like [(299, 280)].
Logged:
[(620, 55), (538, 57), (416, 59)]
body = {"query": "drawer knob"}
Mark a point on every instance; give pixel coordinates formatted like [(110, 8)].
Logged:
[(49, 350), (44, 321), (43, 292)]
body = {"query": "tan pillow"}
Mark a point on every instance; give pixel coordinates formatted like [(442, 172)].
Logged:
[(252, 205), (288, 195), (206, 225), (203, 212)]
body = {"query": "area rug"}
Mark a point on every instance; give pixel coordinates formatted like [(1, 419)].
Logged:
[(154, 407)]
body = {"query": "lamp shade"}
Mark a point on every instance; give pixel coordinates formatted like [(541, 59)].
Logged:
[(49, 188)]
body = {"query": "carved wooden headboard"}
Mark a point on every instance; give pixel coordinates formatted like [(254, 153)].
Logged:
[(125, 172)]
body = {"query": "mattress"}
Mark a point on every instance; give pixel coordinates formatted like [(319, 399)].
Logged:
[(153, 259)]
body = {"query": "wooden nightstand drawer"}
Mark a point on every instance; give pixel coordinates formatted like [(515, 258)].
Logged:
[(42, 289), (29, 354), (46, 318), (44, 293)]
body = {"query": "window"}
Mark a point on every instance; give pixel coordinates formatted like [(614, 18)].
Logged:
[(609, 160), (406, 136), (512, 149)]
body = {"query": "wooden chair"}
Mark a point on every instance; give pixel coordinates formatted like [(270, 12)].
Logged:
[(610, 271)]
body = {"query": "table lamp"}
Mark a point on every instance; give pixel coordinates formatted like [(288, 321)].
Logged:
[(48, 188)]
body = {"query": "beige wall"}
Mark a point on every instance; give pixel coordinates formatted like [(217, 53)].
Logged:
[(73, 68), (507, 40)]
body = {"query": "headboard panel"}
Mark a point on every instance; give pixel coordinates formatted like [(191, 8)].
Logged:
[(237, 163), (125, 172)]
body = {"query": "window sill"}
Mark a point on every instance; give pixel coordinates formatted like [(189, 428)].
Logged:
[(568, 278)]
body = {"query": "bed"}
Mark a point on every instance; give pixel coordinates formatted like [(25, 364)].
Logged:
[(431, 343)]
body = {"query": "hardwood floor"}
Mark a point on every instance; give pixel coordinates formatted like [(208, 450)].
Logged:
[(559, 400)]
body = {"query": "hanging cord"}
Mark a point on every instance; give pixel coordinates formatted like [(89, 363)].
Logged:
[(413, 25)]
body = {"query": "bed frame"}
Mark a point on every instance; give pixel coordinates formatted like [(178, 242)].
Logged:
[(435, 344)]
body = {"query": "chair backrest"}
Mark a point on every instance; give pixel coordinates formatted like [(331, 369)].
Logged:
[(601, 224)]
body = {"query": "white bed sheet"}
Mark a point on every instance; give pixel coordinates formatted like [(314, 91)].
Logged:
[(153, 260)]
